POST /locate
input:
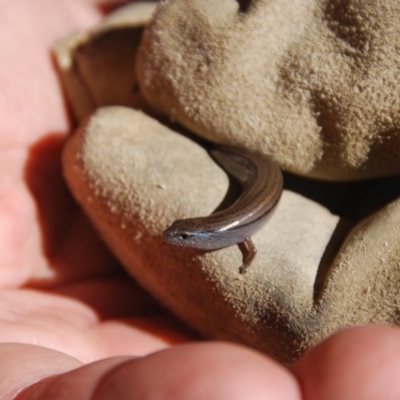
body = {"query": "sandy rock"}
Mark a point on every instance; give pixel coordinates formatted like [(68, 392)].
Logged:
[(134, 177), (96, 67), (313, 83), (329, 258)]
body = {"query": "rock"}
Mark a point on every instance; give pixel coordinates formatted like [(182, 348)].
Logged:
[(329, 257), (96, 67), (134, 177), (312, 83)]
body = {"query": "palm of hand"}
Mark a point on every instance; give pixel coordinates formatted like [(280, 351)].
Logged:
[(62, 290), (60, 286)]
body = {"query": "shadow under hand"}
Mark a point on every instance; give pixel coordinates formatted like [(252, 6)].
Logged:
[(71, 247)]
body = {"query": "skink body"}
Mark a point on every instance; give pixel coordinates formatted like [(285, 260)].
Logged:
[(262, 184)]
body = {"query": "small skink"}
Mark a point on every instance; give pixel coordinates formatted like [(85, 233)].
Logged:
[(262, 184)]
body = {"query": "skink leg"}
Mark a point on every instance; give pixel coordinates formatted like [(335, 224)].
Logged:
[(249, 252)]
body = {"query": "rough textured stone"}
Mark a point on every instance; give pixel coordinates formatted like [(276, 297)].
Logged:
[(314, 83), (96, 67), (329, 258), (134, 177)]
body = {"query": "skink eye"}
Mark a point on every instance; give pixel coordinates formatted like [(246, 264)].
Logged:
[(183, 236)]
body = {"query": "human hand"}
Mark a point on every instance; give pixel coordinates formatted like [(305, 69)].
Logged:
[(72, 324), (60, 287)]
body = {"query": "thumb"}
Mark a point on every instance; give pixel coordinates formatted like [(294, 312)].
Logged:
[(207, 370)]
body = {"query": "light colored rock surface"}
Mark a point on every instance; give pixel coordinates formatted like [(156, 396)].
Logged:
[(133, 176), (96, 67), (314, 83)]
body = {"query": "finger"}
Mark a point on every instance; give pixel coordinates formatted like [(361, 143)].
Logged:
[(196, 371), (89, 321), (360, 363), (22, 365)]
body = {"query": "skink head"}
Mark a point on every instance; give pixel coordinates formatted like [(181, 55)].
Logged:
[(188, 233)]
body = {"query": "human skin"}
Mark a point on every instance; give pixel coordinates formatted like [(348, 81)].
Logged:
[(73, 325)]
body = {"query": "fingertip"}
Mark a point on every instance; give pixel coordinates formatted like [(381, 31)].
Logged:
[(207, 370), (21, 365), (360, 363)]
